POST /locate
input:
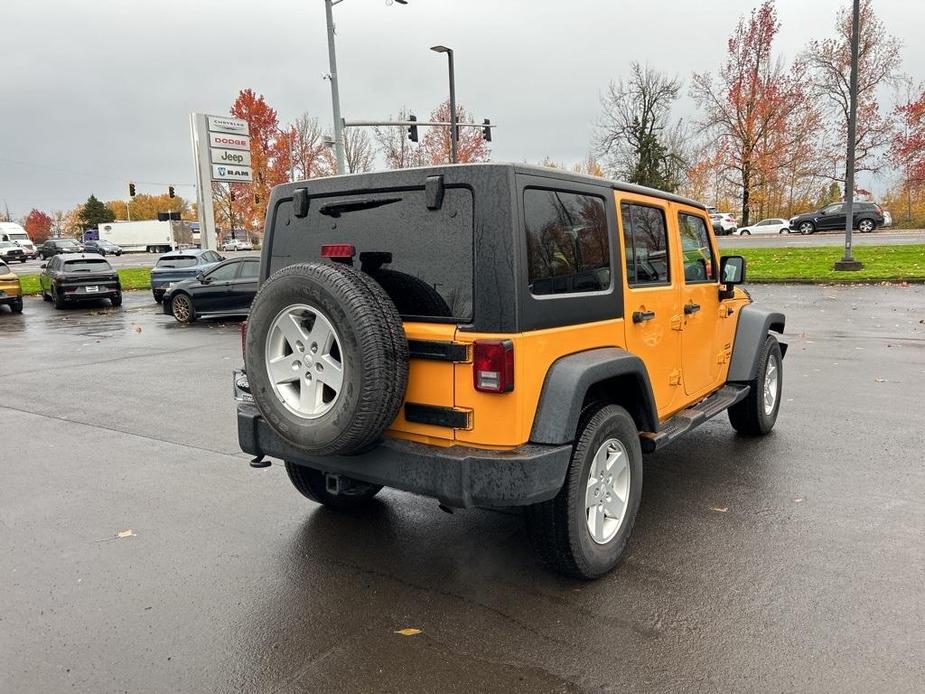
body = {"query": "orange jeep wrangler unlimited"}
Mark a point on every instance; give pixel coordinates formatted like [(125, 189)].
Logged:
[(497, 335)]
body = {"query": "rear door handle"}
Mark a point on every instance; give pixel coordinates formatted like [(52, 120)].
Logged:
[(642, 316), (691, 308)]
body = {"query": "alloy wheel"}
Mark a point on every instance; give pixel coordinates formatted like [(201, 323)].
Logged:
[(304, 361), (608, 490)]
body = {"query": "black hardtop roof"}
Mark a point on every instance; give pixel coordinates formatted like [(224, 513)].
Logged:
[(376, 179)]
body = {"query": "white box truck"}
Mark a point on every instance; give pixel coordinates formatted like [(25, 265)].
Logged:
[(148, 236)]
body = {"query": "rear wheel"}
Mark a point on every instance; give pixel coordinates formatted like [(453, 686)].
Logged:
[(312, 485), (757, 413), (584, 530), (865, 226), (116, 301), (57, 298)]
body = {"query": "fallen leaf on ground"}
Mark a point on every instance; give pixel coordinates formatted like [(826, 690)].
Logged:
[(798, 499), (407, 631), (719, 509), (879, 380), (127, 533), (137, 328)]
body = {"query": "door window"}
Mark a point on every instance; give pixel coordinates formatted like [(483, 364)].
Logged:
[(699, 261), (645, 236), (250, 270), (833, 209), (224, 273), (568, 249)]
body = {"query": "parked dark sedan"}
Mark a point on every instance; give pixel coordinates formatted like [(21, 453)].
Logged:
[(102, 247), (11, 252), (71, 278), (867, 217), (180, 265), (226, 289), (53, 247)]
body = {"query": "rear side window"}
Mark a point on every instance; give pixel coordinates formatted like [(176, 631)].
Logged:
[(567, 245), (177, 261), (645, 237), (699, 263)]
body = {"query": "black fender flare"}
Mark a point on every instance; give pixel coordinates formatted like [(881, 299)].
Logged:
[(751, 331), (618, 375)]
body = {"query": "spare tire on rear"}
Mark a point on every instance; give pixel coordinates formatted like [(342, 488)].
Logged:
[(326, 357)]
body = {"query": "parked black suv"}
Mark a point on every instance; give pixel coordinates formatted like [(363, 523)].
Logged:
[(867, 217), (55, 246), (70, 278)]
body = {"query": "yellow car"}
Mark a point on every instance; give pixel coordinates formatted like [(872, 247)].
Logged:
[(10, 288)]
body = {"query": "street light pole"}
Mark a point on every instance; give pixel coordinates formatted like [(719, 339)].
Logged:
[(848, 262), (339, 153), (454, 130)]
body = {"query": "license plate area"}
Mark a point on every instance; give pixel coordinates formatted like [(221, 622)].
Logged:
[(91, 289)]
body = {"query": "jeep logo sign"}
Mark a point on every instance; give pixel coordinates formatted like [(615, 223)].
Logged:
[(229, 141), (220, 172), (231, 156)]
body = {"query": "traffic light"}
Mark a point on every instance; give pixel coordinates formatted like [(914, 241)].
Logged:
[(231, 194), (486, 131), (256, 198), (131, 190), (413, 129), (170, 192)]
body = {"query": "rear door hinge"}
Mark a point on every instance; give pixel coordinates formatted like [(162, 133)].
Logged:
[(677, 323), (674, 378)]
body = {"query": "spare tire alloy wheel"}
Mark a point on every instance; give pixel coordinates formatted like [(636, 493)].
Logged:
[(304, 362), (326, 358)]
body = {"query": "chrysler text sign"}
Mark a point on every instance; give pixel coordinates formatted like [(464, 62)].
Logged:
[(235, 126), (221, 172), (235, 157), (229, 141)]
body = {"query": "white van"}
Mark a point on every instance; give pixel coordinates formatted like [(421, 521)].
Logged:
[(10, 231)]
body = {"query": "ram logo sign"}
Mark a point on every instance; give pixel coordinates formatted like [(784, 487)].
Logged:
[(220, 172)]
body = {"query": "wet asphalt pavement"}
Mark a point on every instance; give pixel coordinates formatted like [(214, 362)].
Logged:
[(792, 563)]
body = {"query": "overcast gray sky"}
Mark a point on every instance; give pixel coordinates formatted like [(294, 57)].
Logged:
[(94, 94)]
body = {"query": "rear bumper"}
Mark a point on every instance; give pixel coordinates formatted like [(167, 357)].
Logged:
[(458, 476)]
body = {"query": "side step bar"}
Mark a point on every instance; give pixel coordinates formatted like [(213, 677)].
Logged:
[(692, 417)]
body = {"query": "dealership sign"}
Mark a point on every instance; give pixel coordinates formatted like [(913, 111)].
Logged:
[(221, 124), (229, 141), (234, 157), (221, 172)]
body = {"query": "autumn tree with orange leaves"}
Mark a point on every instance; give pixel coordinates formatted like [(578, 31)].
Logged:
[(908, 146), (470, 145), (38, 225), (749, 108)]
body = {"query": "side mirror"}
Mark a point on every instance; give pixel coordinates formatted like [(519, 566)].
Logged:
[(732, 270), (202, 278), (44, 265)]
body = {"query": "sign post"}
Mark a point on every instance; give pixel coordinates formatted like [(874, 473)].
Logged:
[(221, 152)]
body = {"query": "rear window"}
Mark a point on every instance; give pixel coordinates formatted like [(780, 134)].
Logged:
[(177, 261), (87, 265), (422, 257)]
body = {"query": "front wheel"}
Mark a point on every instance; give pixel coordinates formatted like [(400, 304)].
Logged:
[(182, 307), (746, 232), (807, 228), (311, 484), (757, 413), (584, 530), (16, 305)]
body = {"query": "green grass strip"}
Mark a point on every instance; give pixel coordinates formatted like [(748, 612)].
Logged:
[(131, 278), (814, 265)]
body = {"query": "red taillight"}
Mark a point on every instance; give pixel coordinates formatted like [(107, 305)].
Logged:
[(243, 337), (338, 250), (493, 366)]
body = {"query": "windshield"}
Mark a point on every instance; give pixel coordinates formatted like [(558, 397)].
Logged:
[(178, 261), (87, 265), (18, 236), (7, 244), (67, 243)]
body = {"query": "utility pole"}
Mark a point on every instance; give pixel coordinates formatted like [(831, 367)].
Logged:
[(454, 130), (848, 262), (339, 153)]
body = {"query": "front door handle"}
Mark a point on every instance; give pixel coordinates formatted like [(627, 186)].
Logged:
[(642, 316), (691, 308)]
